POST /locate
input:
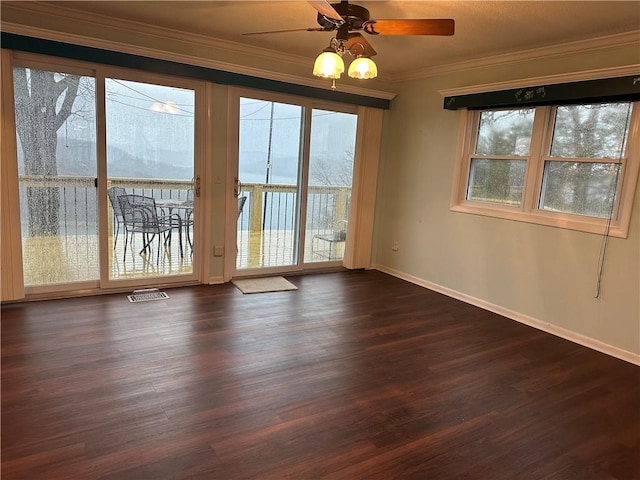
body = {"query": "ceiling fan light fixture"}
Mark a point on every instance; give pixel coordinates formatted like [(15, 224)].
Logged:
[(363, 68), (328, 65)]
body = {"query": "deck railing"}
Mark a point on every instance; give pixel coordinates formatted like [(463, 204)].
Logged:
[(72, 254), (273, 207), (267, 223), (78, 211), (269, 207)]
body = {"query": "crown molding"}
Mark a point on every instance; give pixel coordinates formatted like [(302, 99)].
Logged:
[(581, 46), (238, 50), (187, 59), (144, 29), (584, 75)]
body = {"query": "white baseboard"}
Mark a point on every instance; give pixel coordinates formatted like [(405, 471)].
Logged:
[(518, 317), (215, 280)]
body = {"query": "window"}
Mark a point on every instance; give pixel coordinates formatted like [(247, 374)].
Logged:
[(570, 166)]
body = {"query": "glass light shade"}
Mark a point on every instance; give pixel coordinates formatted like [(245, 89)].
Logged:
[(363, 67), (328, 65)]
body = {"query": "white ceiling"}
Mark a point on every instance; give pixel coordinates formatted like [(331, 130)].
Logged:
[(483, 28)]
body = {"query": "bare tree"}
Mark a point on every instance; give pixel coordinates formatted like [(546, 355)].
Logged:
[(44, 101), (330, 172)]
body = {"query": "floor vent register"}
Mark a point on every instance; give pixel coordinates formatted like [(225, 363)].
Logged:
[(147, 295)]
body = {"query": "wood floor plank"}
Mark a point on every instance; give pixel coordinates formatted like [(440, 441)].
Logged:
[(356, 375)]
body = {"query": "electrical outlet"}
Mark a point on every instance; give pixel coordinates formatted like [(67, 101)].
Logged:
[(218, 251), (394, 247)]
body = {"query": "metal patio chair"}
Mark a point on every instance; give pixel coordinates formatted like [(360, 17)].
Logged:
[(141, 216), (118, 219)]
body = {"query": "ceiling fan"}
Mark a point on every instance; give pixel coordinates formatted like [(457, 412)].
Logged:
[(348, 20)]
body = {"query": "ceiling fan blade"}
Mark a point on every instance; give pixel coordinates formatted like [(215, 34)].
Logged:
[(287, 31), (357, 45), (325, 8), (437, 26)]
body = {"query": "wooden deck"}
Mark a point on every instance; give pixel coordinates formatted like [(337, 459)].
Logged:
[(273, 248), (74, 258), (356, 375)]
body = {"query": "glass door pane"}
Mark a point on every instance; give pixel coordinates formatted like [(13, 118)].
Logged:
[(56, 132), (332, 149), (150, 171), (268, 172)]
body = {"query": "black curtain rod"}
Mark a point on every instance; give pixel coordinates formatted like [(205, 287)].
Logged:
[(625, 88)]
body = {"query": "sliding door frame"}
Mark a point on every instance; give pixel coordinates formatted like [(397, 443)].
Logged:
[(233, 150), (100, 72), (199, 89)]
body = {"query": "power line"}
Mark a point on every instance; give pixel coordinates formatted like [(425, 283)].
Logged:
[(138, 98), (147, 110), (145, 95)]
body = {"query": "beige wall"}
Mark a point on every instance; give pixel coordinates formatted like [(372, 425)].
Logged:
[(547, 274)]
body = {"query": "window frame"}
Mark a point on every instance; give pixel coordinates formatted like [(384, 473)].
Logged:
[(540, 151)]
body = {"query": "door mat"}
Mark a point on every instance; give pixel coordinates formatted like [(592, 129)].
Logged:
[(263, 285), (147, 295)]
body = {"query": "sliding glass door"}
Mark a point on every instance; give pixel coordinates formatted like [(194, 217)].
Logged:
[(150, 140), (331, 154), (269, 178), (56, 138), (295, 166), (133, 138)]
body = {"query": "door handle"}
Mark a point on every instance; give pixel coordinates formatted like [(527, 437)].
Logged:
[(236, 187), (197, 186)]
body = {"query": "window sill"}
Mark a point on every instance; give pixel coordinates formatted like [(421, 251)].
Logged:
[(550, 219)]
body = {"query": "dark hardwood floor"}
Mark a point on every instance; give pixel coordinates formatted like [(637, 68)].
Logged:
[(356, 375)]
